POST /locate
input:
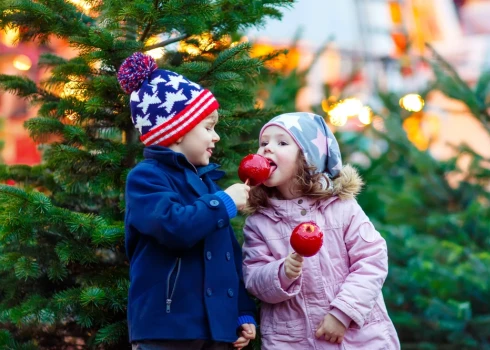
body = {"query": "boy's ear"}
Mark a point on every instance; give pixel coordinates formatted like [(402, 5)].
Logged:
[(179, 140)]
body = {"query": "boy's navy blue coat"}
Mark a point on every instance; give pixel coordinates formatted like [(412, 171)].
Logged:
[(185, 262)]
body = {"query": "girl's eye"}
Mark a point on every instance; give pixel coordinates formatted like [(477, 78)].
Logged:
[(263, 144), (283, 143)]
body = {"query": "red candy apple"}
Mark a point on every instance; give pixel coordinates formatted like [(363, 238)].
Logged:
[(254, 168), (306, 239)]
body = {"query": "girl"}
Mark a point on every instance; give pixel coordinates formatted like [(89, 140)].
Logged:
[(332, 300)]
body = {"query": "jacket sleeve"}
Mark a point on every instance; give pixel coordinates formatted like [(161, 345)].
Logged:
[(246, 306), (154, 209), (262, 271), (368, 265)]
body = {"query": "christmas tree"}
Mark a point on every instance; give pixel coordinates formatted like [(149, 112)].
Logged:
[(62, 261)]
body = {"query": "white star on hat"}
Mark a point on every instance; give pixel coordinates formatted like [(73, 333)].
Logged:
[(290, 121), (161, 120), (320, 142), (194, 94), (171, 98), (148, 100), (135, 97), (154, 83), (175, 81), (141, 122)]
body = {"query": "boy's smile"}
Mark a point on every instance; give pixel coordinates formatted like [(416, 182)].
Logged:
[(198, 144)]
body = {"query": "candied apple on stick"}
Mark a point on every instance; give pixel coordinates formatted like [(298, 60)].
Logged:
[(254, 169), (306, 239)]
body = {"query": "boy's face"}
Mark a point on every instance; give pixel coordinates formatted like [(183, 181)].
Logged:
[(198, 144)]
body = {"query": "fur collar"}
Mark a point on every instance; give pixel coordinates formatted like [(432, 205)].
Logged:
[(346, 186)]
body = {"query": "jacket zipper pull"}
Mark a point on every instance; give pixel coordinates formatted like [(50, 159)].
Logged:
[(169, 301)]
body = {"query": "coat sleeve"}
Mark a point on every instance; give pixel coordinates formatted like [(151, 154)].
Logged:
[(154, 209), (368, 265), (262, 271), (246, 306)]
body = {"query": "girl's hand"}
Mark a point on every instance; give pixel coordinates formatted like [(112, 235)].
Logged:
[(332, 329), (248, 332), (293, 265)]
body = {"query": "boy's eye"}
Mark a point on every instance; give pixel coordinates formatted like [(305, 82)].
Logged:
[(283, 143), (263, 144)]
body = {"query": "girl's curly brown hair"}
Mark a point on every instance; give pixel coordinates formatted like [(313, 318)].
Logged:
[(306, 183)]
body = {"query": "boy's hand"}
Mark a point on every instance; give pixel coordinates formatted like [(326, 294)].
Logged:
[(332, 329), (239, 193), (293, 265), (248, 332)]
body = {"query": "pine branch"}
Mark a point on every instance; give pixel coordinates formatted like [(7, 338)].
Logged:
[(230, 54), (459, 89), (166, 42), (111, 333), (18, 85), (148, 26), (70, 229)]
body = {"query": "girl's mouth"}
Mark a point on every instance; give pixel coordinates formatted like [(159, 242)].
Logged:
[(273, 167)]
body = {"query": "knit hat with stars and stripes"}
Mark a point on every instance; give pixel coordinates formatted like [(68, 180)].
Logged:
[(314, 138), (164, 105)]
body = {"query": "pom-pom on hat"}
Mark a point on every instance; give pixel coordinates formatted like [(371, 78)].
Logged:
[(164, 105)]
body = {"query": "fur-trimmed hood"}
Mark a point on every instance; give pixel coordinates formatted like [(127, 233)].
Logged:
[(346, 186), (349, 183)]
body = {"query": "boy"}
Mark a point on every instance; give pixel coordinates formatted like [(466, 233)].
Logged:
[(186, 287)]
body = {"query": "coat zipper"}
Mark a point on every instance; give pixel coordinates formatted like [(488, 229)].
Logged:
[(177, 264)]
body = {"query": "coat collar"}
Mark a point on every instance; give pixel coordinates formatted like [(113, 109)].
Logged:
[(346, 186), (285, 209), (193, 175)]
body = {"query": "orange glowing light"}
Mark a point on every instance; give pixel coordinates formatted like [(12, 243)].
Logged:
[(22, 62), (395, 12), (283, 62)]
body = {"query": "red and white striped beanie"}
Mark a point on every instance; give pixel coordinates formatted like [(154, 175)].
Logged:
[(164, 105)]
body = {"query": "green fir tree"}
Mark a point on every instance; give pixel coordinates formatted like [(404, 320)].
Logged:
[(62, 262)]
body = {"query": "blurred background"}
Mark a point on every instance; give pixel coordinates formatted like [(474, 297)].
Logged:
[(405, 85), (369, 45)]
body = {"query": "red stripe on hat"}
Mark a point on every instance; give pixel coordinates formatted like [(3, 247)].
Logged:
[(197, 116), (177, 126)]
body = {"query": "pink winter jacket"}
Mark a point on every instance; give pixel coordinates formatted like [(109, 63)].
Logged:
[(344, 278)]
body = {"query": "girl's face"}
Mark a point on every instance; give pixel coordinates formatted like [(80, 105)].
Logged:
[(283, 153)]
